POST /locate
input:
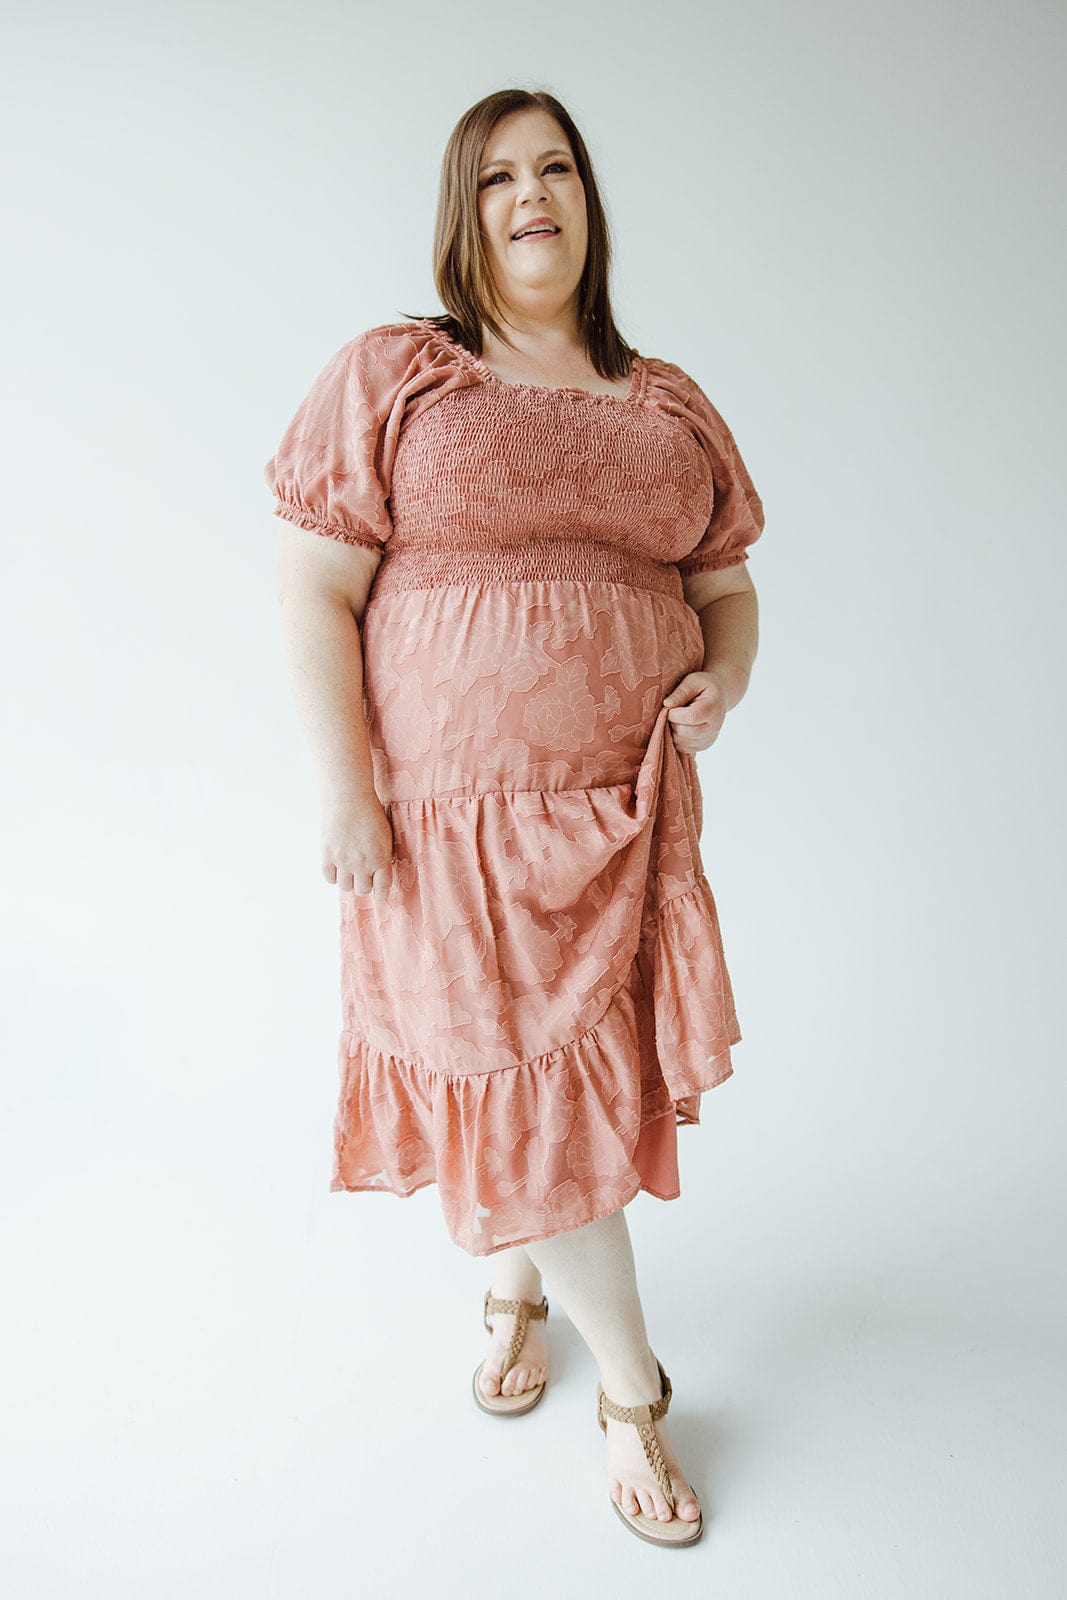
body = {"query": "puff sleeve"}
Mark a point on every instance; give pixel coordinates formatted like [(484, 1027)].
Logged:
[(332, 470), (737, 519)]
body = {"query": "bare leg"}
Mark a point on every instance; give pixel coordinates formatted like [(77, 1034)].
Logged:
[(590, 1273), (515, 1278)]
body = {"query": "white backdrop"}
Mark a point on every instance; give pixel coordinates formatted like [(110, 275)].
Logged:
[(847, 222)]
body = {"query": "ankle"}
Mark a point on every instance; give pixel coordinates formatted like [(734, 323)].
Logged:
[(631, 1383), (513, 1288)]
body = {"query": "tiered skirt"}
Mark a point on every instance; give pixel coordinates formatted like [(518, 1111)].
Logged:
[(543, 996)]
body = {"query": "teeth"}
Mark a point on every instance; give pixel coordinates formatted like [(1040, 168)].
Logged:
[(526, 231)]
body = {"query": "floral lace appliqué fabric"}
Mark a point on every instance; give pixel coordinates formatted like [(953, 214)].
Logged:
[(543, 997)]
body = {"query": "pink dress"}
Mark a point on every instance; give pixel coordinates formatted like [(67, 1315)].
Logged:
[(541, 999)]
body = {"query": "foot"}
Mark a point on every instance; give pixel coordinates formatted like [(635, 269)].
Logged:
[(631, 1482), (531, 1364)]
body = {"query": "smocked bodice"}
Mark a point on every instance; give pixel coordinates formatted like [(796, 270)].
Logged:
[(408, 441)]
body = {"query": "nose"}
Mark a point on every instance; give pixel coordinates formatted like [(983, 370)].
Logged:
[(532, 185)]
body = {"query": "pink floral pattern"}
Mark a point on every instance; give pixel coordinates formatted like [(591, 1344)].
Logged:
[(543, 997)]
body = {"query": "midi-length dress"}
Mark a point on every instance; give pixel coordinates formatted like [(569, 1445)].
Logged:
[(543, 996)]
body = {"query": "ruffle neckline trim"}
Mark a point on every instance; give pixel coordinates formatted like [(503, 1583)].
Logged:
[(634, 394)]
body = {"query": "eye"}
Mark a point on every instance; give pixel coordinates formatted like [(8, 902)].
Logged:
[(558, 163)]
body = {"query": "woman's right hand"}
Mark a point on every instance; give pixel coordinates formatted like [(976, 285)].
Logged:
[(357, 844)]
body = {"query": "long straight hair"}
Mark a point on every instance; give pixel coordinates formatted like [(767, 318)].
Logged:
[(461, 271)]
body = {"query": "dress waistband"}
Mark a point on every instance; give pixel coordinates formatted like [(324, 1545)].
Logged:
[(530, 561)]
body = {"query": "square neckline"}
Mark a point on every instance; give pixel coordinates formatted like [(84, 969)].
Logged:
[(632, 393)]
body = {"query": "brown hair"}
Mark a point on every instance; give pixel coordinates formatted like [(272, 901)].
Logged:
[(461, 272)]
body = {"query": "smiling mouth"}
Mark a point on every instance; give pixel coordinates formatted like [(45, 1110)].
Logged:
[(535, 233)]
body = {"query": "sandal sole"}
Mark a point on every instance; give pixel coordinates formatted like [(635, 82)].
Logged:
[(506, 1405), (638, 1523)]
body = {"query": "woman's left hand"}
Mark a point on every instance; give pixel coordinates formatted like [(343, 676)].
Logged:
[(697, 710)]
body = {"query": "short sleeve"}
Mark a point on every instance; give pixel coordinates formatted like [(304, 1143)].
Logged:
[(737, 517), (332, 470)]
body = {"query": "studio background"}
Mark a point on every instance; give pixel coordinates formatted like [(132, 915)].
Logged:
[(846, 221)]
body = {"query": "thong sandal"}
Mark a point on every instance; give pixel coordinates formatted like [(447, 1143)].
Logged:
[(524, 1311), (679, 1530)]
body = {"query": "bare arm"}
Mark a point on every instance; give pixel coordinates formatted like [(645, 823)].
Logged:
[(322, 588), (325, 654), (726, 603)]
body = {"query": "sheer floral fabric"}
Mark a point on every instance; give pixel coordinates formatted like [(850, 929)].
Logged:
[(543, 997)]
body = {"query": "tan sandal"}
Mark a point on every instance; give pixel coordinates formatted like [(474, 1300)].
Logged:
[(679, 1530), (524, 1311)]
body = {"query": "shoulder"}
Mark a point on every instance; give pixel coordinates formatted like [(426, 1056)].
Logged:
[(386, 338), (389, 344), (389, 370), (397, 361), (679, 392)]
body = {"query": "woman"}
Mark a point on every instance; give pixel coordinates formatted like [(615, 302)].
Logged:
[(524, 610)]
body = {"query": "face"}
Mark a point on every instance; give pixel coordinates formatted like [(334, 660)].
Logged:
[(528, 171)]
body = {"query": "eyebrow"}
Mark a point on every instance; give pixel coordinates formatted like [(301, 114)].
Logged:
[(502, 161)]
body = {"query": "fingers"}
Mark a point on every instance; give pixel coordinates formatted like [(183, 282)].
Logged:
[(690, 743), (378, 884)]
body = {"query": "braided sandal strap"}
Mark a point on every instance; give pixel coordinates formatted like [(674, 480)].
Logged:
[(524, 1311), (644, 1419)]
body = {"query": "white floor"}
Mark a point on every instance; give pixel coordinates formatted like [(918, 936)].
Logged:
[(225, 1386)]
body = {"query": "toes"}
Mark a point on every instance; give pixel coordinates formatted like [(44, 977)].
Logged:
[(652, 1503), (519, 1377), (660, 1508), (686, 1503), (522, 1378)]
